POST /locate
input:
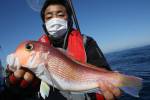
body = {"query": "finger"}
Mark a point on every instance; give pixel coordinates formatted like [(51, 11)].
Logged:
[(19, 73), (106, 92), (116, 91), (28, 76), (108, 95), (8, 70), (12, 79)]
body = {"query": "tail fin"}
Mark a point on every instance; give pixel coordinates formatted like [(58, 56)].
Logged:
[(131, 85)]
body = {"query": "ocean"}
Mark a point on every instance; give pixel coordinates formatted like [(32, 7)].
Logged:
[(135, 61)]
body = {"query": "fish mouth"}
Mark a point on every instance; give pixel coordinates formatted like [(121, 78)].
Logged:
[(13, 62)]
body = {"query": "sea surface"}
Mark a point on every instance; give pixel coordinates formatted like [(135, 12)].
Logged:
[(135, 61)]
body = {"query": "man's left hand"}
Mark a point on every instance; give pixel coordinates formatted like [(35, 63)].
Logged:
[(109, 91)]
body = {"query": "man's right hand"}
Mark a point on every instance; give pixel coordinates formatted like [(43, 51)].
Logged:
[(23, 78), (19, 77)]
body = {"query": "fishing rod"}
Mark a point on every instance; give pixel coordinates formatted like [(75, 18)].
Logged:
[(74, 19), (74, 15)]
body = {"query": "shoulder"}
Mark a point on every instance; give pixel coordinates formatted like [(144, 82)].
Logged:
[(87, 40)]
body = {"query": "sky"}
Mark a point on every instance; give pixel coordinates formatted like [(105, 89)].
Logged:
[(114, 24)]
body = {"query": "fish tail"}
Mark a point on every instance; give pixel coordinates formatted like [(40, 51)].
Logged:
[(131, 85)]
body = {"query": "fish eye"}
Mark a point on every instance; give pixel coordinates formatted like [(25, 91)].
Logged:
[(29, 46)]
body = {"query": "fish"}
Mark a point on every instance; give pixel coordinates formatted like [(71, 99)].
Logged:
[(57, 68)]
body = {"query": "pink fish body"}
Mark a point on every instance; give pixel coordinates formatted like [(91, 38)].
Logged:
[(65, 73)]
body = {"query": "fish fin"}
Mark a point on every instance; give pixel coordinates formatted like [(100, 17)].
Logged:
[(94, 90), (131, 85), (66, 94), (84, 94), (44, 89)]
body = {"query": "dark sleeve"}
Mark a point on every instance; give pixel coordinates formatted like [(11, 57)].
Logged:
[(95, 55)]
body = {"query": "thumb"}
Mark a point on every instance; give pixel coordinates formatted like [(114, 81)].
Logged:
[(106, 91)]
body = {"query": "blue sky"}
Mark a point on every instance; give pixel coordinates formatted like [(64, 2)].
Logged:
[(114, 24)]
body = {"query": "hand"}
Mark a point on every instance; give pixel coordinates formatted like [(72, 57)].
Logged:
[(109, 91), (21, 77)]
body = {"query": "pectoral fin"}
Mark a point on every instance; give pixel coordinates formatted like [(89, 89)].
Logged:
[(44, 89)]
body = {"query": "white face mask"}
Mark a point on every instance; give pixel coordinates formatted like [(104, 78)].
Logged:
[(56, 27)]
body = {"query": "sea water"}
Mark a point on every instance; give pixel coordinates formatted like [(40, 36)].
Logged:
[(136, 62)]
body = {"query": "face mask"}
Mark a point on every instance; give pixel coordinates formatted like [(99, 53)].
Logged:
[(56, 27)]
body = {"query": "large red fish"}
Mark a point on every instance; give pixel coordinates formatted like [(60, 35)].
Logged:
[(64, 73)]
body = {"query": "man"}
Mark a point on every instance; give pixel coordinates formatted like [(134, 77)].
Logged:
[(58, 25)]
